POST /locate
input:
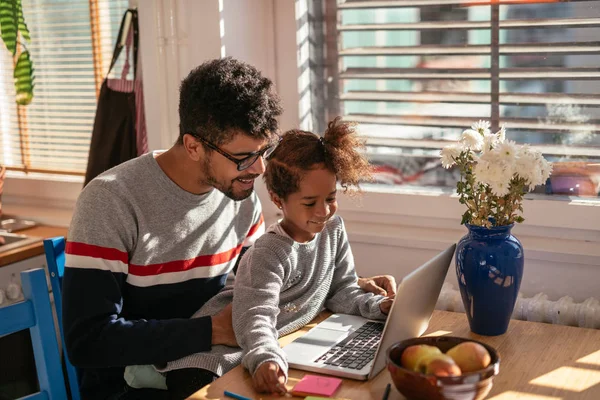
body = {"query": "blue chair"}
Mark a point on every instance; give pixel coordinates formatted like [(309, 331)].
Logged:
[(35, 313), (55, 258)]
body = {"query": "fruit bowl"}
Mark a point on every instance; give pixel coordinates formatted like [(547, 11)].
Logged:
[(415, 385)]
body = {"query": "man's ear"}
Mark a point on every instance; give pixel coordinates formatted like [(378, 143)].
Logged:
[(275, 199), (193, 147)]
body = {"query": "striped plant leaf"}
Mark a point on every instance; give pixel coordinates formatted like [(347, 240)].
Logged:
[(22, 26), (12, 23), (24, 79), (9, 22)]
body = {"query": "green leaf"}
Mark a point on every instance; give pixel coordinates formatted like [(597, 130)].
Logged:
[(466, 218), (21, 21), (9, 22), (24, 79)]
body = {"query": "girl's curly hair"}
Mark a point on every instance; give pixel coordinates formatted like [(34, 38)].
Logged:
[(300, 151)]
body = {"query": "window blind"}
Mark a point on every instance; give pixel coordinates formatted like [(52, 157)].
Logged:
[(71, 47), (415, 73)]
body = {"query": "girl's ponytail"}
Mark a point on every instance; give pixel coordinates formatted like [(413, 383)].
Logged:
[(345, 153)]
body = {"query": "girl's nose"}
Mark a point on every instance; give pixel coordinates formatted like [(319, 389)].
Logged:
[(323, 210)]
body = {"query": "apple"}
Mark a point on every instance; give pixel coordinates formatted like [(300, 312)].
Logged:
[(438, 364), (470, 356), (412, 354)]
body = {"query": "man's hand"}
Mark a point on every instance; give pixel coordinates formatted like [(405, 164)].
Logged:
[(384, 285), (269, 378), (222, 328)]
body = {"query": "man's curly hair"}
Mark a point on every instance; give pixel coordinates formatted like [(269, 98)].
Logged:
[(223, 96), (339, 150)]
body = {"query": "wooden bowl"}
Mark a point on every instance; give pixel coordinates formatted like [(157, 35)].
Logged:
[(415, 385)]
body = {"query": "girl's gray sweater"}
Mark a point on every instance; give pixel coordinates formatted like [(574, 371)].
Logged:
[(280, 286)]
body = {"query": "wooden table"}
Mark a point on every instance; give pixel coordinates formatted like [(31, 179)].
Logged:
[(538, 362)]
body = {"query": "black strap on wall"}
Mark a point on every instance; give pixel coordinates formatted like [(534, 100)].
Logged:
[(119, 44)]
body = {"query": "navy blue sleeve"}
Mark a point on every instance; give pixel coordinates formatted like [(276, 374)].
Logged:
[(97, 334)]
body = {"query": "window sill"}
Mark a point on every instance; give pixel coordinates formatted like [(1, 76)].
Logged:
[(442, 204), (554, 229), (47, 199)]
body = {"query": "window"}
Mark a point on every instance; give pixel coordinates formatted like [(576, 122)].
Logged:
[(415, 73), (71, 48)]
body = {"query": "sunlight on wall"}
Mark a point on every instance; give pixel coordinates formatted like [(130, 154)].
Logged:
[(222, 28)]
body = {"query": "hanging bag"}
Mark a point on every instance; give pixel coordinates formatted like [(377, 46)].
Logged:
[(114, 133)]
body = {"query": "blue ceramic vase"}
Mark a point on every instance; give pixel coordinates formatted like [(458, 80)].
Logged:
[(489, 268)]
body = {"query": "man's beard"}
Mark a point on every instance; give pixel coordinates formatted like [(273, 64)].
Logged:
[(226, 189)]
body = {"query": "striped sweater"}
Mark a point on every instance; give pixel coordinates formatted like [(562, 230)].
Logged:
[(142, 256)]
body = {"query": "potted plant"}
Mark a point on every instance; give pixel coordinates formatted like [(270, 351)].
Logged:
[(495, 174)]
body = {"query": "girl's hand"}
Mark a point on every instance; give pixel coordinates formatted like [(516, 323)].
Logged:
[(384, 285), (269, 378), (386, 305)]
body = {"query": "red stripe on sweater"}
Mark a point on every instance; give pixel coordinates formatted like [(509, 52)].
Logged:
[(90, 250), (185, 265), (209, 260)]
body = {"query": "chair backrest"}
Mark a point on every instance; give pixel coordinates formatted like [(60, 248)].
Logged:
[(35, 313), (55, 258)]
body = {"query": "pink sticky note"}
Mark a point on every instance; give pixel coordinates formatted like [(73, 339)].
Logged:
[(319, 385)]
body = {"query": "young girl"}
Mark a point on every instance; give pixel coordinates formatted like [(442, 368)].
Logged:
[(300, 266)]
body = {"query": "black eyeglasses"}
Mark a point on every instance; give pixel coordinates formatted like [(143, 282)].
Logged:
[(246, 162)]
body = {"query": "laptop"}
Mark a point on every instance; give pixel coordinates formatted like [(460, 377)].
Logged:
[(354, 347)]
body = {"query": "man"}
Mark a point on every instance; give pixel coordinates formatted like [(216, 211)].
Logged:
[(151, 241)]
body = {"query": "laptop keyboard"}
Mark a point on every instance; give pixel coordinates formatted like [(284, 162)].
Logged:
[(357, 350)]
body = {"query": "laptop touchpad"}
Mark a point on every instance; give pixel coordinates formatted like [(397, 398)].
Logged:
[(313, 344), (322, 337)]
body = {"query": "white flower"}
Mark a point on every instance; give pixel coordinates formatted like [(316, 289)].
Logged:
[(507, 151), (449, 154), (481, 126), (500, 188), (489, 142), (492, 171), (546, 168), (501, 134), (481, 172), (532, 166), (527, 167), (472, 139)]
